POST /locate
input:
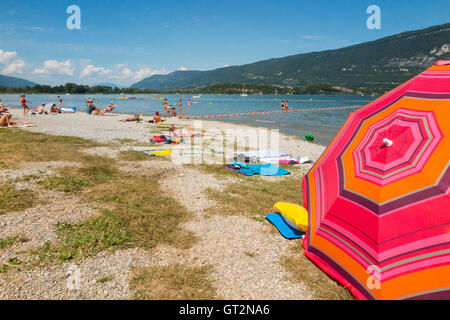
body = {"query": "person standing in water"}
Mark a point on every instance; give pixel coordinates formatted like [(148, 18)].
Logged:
[(165, 107), (286, 106), (180, 103), (189, 104), (59, 102), (23, 102), (282, 106)]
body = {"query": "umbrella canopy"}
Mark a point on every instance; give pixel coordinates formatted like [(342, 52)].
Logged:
[(378, 197)]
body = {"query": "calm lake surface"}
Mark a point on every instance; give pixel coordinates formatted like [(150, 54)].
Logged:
[(322, 124)]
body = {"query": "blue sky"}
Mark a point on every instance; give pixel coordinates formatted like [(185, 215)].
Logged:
[(125, 41)]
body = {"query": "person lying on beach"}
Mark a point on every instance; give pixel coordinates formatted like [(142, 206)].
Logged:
[(134, 118), (186, 132), (108, 108)]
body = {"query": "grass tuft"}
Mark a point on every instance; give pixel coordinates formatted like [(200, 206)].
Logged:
[(173, 282), (12, 200)]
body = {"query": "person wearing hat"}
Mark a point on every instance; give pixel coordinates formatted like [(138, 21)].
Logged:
[(157, 117)]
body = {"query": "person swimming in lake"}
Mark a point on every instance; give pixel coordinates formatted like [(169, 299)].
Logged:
[(24, 104)]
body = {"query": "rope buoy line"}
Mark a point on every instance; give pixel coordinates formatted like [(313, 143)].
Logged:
[(257, 113)]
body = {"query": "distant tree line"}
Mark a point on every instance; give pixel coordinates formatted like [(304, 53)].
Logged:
[(72, 88)]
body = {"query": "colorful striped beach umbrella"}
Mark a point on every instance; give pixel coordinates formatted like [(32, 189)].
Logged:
[(379, 196)]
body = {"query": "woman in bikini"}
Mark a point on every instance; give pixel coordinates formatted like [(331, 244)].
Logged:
[(23, 102)]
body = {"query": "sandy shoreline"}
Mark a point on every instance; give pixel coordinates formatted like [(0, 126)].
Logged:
[(107, 129)]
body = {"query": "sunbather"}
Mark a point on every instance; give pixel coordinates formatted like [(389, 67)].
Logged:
[(3, 109), (134, 118), (108, 108), (156, 118), (40, 109), (4, 120)]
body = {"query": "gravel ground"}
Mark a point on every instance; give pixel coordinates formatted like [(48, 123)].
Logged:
[(244, 252)]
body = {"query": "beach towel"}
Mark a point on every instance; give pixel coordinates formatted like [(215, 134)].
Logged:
[(20, 125), (159, 153), (286, 231), (260, 169)]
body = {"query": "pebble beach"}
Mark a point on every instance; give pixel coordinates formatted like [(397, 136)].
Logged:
[(223, 241)]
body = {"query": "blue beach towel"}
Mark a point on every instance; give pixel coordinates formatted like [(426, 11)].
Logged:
[(285, 230), (261, 169)]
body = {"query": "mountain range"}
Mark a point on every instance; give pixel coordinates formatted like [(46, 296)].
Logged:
[(383, 63), (12, 82)]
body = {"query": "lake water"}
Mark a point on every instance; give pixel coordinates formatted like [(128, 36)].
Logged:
[(322, 124)]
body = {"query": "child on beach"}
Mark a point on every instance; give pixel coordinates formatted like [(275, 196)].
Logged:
[(25, 107)]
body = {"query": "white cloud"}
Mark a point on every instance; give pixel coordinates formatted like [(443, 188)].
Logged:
[(7, 56), (183, 69), (56, 67), (14, 67), (91, 69), (125, 74)]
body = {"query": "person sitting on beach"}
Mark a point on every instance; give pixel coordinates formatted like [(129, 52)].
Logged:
[(174, 113), (25, 107), (55, 109), (108, 108), (92, 108), (3, 109), (134, 118), (40, 109), (156, 118), (4, 120)]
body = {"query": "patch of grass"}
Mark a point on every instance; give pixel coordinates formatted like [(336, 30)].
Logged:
[(94, 170), (12, 200), (5, 243), (255, 197), (173, 282), (20, 146), (104, 279), (138, 215), (130, 155), (305, 271)]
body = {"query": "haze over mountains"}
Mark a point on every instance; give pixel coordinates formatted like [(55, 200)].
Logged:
[(383, 63)]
